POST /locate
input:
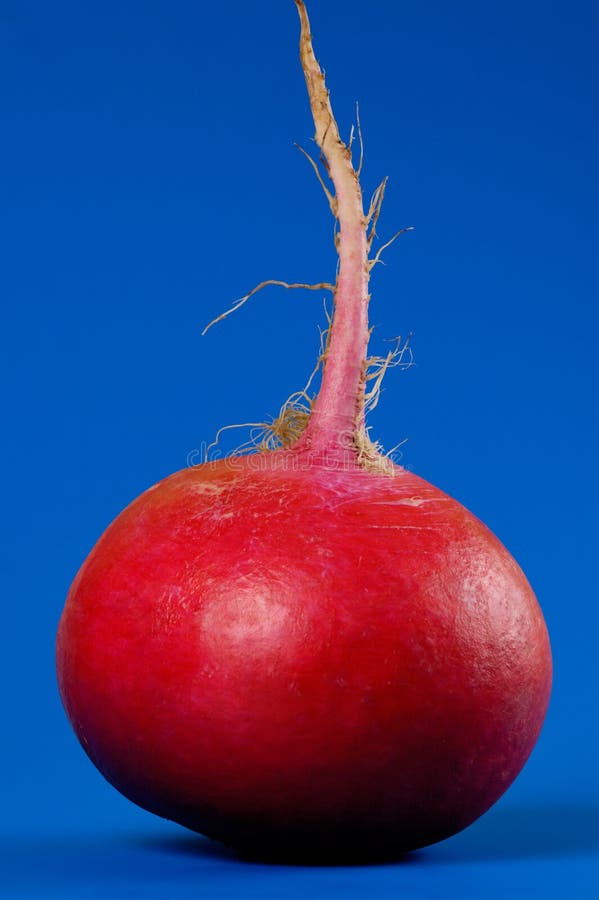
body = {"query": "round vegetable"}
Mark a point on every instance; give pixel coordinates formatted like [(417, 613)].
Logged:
[(308, 646)]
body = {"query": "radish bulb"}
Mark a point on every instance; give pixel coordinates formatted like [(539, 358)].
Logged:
[(308, 646)]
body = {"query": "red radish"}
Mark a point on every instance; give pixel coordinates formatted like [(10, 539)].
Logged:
[(308, 646)]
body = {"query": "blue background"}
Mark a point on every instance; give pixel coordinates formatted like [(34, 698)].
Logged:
[(149, 178)]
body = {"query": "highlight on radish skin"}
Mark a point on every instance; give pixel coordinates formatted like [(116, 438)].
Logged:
[(308, 646)]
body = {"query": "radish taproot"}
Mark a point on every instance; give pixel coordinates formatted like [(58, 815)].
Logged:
[(308, 646)]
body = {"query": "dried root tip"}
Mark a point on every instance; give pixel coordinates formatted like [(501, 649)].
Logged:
[(377, 367), (247, 447), (370, 455), (357, 127), (374, 210), (295, 413), (285, 430), (331, 199), (377, 259), (321, 286), (281, 433), (361, 141), (372, 217)]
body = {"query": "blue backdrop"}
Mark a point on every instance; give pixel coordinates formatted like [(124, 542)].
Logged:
[(149, 179)]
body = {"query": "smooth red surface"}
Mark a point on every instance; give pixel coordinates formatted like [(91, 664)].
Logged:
[(267, 654)]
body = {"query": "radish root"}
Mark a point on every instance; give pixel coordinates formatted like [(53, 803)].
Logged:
[(334, 419)]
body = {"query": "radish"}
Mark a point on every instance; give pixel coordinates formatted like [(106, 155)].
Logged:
[(308, 646)]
